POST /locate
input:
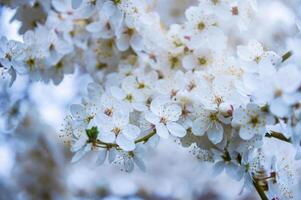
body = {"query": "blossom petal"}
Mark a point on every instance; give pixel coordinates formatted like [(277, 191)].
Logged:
[(131, 131), (139, 162), (218, 168), (76, 3), (108, 137), (77, 111), (279, 107), (128, 165), (176, 129), (234, 171), (216, 133), (162, 130), (246, 132), (199, 127), (101, 157), (152, 118), (112, 155), (124, 143), (81, 153)]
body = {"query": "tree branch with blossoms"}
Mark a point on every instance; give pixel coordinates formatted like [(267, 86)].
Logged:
[(151, 82)]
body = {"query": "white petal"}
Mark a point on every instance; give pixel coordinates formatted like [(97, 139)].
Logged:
[(131, 131), (162, 130), (199, 127), (136, 42), (215, 133), (140, 107), (246, 132), (118, 93), (255, 47), (123, 43), (101, 157), (94, 90), (120, 118), (108, 137), (157, 104), (152, 118), (139, 162), (80, 154), (279, 107), (124, 143), (76, 3), (112, 155), (244, 53), (172, 111), (218, 168), (95, 27), (108, 8), (176, 129), (128, 165), (77, 156), (239, 117), (59, 5), (234, 171), (80, 143), (288, 83), (188, 62), (77, 111)]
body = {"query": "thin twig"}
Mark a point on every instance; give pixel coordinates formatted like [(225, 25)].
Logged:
[(259, 190), (278, 136), (112, 145), (286, 56)]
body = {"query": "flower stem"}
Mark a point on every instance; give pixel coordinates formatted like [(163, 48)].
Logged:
[(112, 145), (286, 56), (146, 138), (278, 136), (259, 190)]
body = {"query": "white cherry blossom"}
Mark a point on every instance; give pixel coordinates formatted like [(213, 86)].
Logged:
[(164, 116), (251, 121)]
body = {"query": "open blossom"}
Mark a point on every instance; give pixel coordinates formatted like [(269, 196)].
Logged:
[(164, 115), (132, 96), (278, 90), (251, 121), (209, 123), (256, 55), (117, 129), (109, 20), (128, 160), (11, 55)]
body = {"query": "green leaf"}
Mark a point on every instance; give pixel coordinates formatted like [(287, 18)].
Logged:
[(92, 133)]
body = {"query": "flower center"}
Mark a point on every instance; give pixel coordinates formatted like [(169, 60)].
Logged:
[(129, 98), (257, 59), (202, 61), (8, 56), (254, 120), (174, 62), (108, 112), (30, 62), (88, 119), (163, 120), (116, 2), (201, 26), (215, 2), (129, 31), (141, 85), (116, 130), (213, 117), (235, 10)]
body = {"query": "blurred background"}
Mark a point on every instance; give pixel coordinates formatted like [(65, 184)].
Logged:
[(35, 162)]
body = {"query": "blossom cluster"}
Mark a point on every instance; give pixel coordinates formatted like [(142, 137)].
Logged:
[(152, 82)]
